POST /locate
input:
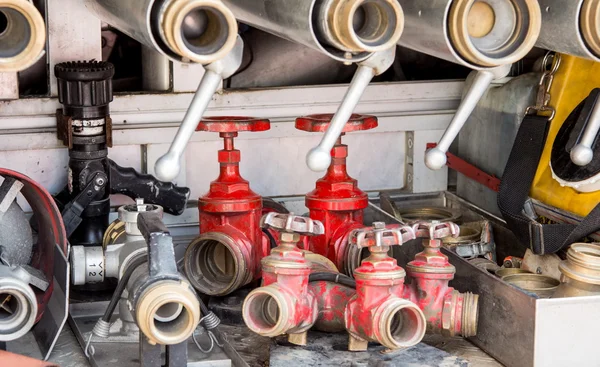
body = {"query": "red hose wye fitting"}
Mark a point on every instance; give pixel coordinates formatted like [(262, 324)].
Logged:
[(284, 305), (336, 201), (377, 312), (448, 311), (227, 254)]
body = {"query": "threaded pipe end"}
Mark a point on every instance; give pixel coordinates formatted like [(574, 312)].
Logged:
[(470, 314)]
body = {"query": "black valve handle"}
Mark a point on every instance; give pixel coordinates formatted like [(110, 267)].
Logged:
[(129, 182)]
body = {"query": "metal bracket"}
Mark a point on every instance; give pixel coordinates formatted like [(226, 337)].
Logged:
[(64, 129), (467, 169)]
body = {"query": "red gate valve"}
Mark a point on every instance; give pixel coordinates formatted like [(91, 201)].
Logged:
[(227, 254), (283, 304), (336, 201), (377, 312), (448, 311)]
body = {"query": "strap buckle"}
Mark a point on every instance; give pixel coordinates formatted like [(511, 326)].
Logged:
[(550, 65)]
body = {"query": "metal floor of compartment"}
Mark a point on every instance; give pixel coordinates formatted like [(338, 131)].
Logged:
[(253, 348)]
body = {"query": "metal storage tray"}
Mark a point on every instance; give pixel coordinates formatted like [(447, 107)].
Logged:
[(515, 327)]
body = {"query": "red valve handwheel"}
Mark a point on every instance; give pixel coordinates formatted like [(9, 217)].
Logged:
[(320, 123), (232, 124)]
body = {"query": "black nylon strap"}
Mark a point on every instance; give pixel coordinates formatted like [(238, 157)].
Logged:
[(514, 192)]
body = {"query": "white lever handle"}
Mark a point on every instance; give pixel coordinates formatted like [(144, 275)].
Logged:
[(168, 166), (435, 158), (582, 153), (319, 157)]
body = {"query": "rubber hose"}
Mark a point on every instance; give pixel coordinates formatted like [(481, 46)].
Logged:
[(114, 301), (333, 277)]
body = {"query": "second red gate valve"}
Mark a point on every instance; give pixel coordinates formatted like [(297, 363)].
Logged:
[(378, 313), (448, 311), (336, 201), (227, 254)]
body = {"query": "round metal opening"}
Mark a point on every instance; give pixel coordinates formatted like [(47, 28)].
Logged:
[(168, 312), (493, 32), (3, 22), (15, 314), (212, 267), (264, 311), (15, 32), (10, 307), (406, 326), (204, 30), (171, 319), (374, 22)]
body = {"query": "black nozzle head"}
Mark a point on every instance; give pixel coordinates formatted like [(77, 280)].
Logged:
[(85, 88)]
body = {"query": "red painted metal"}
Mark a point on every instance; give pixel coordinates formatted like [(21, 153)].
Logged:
[(51, 231), (448, 312), (474, 173), (336, 201), (230, 207), (287, 303), (379, 292)]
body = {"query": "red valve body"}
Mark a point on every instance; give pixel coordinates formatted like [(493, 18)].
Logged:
[(448, 312), (230, 212), (300, 305), (370, 314), (336, 201)]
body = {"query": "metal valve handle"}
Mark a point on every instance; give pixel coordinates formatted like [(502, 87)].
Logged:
[(319, 158), (379, 235), (320, 123), (435, 158), (582, 153), (233, 124), (436, 230), (168, 166), (291, 223)]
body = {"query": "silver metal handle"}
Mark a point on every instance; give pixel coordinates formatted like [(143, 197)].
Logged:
[(435, 158), (582, 153), (319, 157), (168, 166)]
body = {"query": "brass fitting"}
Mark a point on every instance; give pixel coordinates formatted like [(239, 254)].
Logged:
[(271, 311), (361, 25), (215, 263), (580, 271), (490, 33), (201, 31), (589, 23), (168, 312), (22, 35)]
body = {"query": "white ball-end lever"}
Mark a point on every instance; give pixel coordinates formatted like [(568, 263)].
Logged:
[(168, 166), (319, 158), (582, 153), (435, 158)]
